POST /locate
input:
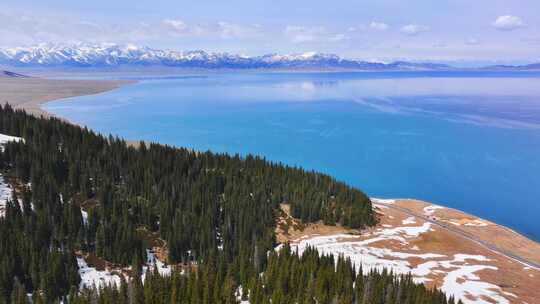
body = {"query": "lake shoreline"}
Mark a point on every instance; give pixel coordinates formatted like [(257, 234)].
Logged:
[(32, 93), (35, 92)]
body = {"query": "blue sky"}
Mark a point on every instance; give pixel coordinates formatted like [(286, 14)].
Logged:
[(441, 30)]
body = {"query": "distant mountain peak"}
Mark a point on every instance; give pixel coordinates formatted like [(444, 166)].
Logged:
[(111, 55)]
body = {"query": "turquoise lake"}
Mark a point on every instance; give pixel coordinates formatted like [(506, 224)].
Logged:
[(470, 141)]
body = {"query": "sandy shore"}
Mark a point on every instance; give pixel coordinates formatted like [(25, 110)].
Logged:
[(31, 93)]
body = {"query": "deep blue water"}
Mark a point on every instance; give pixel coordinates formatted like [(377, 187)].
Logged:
[(465, 140)]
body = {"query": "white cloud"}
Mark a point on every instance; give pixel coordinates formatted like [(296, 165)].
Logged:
[(231, 30), (175, 25), (302, 34), (361, 40), (222, 29), (23, 28), (19, 28), (413, 29), (508, 23), (472, 41), (379, 26), (338, 37)]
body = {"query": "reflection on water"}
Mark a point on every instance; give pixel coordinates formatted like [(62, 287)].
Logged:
[(458, 139)]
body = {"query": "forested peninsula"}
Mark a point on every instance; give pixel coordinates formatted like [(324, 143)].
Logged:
[(78, 193)]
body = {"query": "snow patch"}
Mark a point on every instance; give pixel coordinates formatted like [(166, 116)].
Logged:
[(383, 201), (6, 138), (84, 215), (239, 294), (5, 195), (476, 223), (5, 188), (463, 282), (219, 239), (151, 262), (430, 210), (91, 277), (409, 220), (510, 294), (408, 231), (458, 272), (363, 254)]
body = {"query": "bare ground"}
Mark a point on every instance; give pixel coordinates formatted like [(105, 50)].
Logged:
[(31, 93), (516, 282)]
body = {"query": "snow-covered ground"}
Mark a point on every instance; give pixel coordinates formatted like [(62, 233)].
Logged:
[(409, 220), (458, 272), (84, 215), (151, 261), (369, 257), (5, 195), (239, 295), (91, 277), (5, 188), (476, 223), (382, 201), (466, 222), (6, 138), (430, 210)]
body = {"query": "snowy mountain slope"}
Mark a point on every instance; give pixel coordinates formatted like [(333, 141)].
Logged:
[(106, 55)]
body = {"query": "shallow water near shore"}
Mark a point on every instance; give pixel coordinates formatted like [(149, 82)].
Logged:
[(469, 141)]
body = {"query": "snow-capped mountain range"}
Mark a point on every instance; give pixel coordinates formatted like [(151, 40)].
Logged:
[(113, 55), (110, 55)]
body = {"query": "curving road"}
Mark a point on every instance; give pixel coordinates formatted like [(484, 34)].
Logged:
[(464, 234)]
